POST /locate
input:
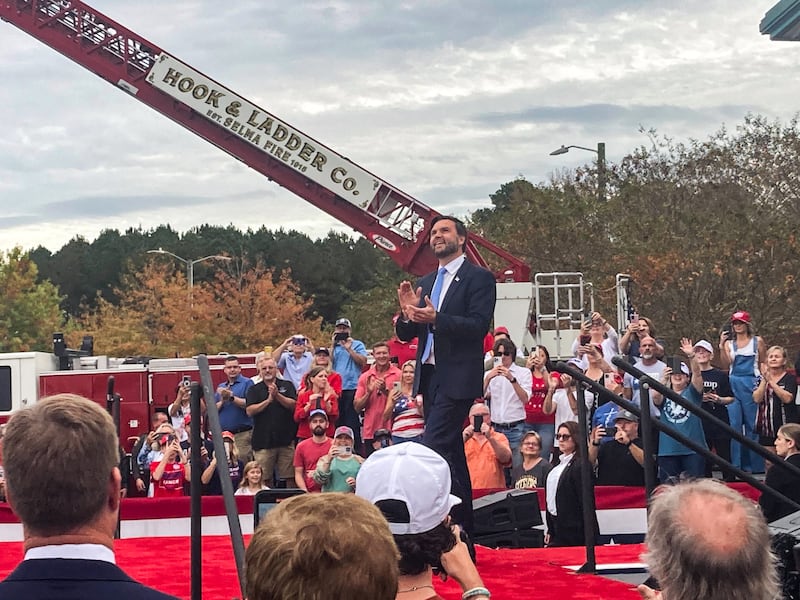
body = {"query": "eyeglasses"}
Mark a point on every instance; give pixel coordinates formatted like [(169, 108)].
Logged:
[(529, 444), (502, 353), (563, 436)]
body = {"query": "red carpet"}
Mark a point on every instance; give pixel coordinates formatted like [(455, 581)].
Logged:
[(163, 563)]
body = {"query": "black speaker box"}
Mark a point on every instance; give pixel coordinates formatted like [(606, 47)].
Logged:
[(785, 534), (509, 510), (520, 538)]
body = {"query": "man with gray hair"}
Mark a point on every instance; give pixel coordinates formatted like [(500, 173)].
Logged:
[(68, 524), (707, 541)]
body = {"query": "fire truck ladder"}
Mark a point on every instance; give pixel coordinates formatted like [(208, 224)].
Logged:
[(389, 218)]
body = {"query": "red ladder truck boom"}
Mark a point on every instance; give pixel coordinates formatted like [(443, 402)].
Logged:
[(389, 218)]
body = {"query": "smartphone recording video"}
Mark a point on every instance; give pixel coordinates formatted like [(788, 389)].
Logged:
[(674, 363)]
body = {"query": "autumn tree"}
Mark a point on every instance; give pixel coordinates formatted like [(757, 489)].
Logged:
[(29, 312), (156, 315)]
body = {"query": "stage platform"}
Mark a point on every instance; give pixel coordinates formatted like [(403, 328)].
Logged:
[(543, 574), (154, 529)]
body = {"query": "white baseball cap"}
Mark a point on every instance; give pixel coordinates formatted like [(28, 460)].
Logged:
[(413, 474), (705, 345)]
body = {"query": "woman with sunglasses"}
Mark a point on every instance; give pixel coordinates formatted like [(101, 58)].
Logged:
[(787, 446), (563, 490), (740, 350)]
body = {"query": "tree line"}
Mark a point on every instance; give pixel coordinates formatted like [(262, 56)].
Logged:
[(703, 227)]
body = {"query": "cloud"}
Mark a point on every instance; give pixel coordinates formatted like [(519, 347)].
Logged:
[(445, 100)]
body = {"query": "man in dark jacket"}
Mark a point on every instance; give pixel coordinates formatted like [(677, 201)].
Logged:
[(71, 443)]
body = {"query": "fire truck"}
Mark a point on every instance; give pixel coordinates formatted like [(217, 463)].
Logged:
[(547, 309), (143, 385)]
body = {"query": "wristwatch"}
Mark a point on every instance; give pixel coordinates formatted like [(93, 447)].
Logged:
[(513, 380), (594, 443)]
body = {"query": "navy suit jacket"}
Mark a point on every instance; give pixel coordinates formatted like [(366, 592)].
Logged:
[(73, 579), (461, 324)]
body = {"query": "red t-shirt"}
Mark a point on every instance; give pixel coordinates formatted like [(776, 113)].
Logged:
[(306, 455), (533, 407), (404, 351), (301, 414), (171, 483)]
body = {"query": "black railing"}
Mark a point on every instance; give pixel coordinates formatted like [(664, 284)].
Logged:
[(646, 432)]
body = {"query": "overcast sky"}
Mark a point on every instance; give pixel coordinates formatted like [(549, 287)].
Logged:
[(446, 100)]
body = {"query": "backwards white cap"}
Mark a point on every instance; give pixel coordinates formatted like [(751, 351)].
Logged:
[(413, 474)]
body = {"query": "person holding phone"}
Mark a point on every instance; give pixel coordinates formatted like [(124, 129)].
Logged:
[(317, 394), (638, 329), (404, 409), (675, 459), (172, 470), (596, 331), (349, 359), (337, 470), (180, 408), (488, 452), (604, 417), (543, 386), (410, 484), (742, 351), (507, 386), (294, 357)]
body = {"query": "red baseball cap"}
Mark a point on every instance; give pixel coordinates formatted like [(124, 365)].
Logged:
[(741, 315), (501, 329)]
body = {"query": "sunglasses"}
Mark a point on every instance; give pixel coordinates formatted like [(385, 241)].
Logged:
[(502, 353), (563, 436)]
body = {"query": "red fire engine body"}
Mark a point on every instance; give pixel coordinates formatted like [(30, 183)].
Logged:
[(143, 388)]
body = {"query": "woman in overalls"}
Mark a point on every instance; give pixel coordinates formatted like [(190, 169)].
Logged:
[(740, 351)]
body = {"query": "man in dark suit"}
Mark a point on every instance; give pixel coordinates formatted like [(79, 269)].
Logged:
[(63, 482), (449, 311)]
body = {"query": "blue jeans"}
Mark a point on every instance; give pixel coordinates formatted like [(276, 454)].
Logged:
[(401, 440), (742, 414), (672, 467), (514, 435)]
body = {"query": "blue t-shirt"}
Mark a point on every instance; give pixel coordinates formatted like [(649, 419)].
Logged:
[(684, 421), (231, 417), (345, 366), (293, 369)]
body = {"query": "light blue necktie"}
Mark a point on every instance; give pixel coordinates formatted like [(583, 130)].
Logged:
[(435, 293)]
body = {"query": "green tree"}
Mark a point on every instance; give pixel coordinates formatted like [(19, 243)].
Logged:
[(29, 313), (703, 227)]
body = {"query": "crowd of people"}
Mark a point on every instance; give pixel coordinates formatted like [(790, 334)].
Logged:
[(288, 425), (324, 420), (704, 539)]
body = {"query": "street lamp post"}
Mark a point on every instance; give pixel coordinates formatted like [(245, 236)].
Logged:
[(189, 264), (601, 165)]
